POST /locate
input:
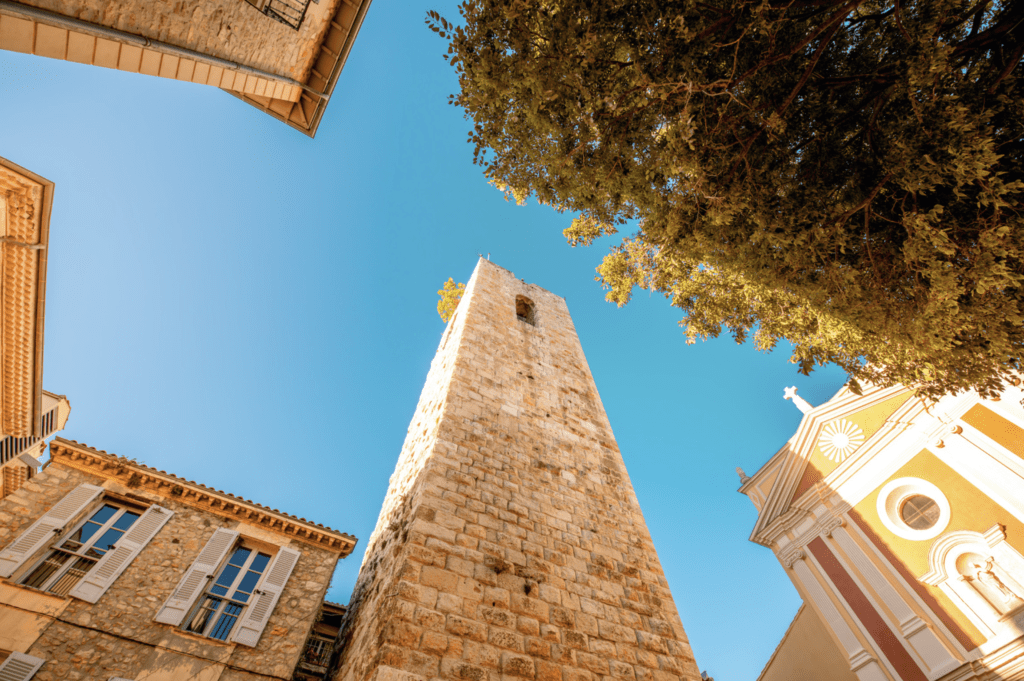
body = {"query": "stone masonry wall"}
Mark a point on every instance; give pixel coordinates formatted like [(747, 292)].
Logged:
[(228, 29), (118, 637), (511, 544)]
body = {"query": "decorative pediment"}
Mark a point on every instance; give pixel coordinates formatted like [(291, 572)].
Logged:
[(830, 436)]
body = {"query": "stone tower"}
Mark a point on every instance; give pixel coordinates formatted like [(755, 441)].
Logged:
[(511, 544)]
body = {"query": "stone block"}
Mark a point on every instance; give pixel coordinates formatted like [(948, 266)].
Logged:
[(519, 666)]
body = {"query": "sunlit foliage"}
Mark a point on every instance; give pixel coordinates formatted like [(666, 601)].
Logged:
[(846, 175), (451, 294)]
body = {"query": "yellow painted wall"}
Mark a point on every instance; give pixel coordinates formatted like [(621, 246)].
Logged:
[(996, 427), (807, 653), (970, 509)]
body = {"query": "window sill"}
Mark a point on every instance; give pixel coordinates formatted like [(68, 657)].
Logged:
[(198, 637), (31, 598)]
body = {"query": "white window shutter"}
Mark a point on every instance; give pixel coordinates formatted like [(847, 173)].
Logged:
[(113, 563), (44, 530), (194, 580), (255, 618), (19, 667)]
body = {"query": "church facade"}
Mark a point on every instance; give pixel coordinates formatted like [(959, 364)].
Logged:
[(901, 524)]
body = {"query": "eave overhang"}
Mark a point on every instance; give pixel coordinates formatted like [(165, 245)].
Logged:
[(131, 474), (305, 114)]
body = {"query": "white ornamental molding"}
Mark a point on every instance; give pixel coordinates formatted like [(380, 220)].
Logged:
[(791, 556), (839, 439)]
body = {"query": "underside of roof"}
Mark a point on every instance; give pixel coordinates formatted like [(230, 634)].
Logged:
[(305, 114)]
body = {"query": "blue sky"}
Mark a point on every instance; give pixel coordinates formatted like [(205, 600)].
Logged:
[(245, 307)]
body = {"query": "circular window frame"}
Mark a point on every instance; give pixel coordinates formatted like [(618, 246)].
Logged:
[(890, 501)]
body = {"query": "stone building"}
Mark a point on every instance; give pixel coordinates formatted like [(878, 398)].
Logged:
[(110, 569), (281, 56), (901, 524), (511, 544), (28, 414)]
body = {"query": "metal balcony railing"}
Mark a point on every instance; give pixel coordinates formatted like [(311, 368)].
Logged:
[(288, 12), (317, 654)]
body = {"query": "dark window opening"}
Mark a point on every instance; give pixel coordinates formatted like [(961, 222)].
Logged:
[(524, 309)]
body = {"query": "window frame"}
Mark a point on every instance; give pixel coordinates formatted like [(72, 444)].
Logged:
[(55, 545), (256, 548), (890, 502)]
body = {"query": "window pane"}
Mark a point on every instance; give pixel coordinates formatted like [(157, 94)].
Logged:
[(104, 514), (202, 616), (239, 556), (227, 576), (226, 622), (259, 563), (920, 512), (245, 588), (81, 536), (104, 543), (126, 520)]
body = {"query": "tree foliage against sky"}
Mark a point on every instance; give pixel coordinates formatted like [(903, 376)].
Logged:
[(451, 294), (845, 175)]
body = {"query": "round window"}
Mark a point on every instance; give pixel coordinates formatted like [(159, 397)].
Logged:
[(919, 512), (913, 508)]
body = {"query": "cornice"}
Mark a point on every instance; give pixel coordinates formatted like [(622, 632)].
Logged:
[(825, 526), (133, 474)]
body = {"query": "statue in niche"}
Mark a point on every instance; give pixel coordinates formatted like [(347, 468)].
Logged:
[(983, 574)]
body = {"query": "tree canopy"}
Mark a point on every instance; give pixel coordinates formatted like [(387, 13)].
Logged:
[(451, 294), (842, 174)]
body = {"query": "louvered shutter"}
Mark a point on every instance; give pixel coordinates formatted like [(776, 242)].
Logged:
[(19, 667), (194, 581), (254, 619), (43, 531), (110, 566)]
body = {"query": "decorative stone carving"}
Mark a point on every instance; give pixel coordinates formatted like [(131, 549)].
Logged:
[(839, 439)]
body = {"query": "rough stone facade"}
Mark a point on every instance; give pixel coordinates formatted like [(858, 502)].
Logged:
[(511, 544), (117, 636)]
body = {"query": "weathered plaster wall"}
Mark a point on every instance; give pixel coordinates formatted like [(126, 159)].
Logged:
[(511, 542), (118, 637)]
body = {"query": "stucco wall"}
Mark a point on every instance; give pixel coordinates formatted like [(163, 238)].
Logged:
[(807, 652)]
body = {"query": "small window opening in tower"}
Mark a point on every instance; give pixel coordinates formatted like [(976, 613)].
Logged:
[(524, 309)]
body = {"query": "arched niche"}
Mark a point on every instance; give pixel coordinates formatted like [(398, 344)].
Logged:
[(983, 575)]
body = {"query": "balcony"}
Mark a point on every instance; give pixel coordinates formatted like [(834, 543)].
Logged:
[(317, 655), (55, 415)]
